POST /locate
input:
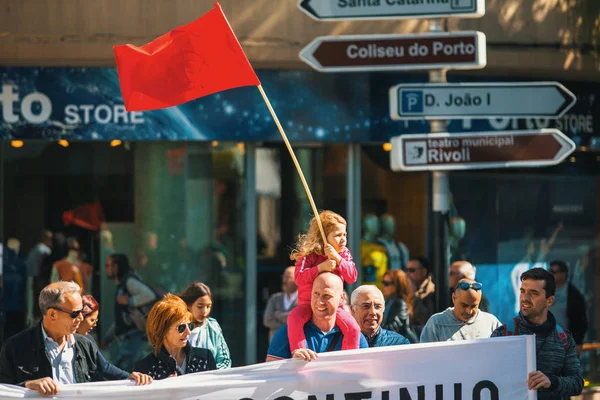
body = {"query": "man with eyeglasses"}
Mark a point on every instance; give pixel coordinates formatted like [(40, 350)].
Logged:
[(367, 306), (51, 354), (464, 321)]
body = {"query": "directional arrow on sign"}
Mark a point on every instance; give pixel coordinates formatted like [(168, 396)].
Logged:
[(480, 100), (479, 150), (371, 9)]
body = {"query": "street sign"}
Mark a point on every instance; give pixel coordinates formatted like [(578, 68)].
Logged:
[(480, 100), (457, 50), (334, 10), (480, 150)]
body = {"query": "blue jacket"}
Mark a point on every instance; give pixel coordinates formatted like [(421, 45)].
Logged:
[(384, 338)]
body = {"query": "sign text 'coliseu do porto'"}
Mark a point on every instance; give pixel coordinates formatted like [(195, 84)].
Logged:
[(405, 52)]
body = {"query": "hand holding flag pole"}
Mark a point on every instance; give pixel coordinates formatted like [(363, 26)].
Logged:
[(191, 61)]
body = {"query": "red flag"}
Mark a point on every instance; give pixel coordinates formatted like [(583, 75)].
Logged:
[(88, 216), (191, 61)]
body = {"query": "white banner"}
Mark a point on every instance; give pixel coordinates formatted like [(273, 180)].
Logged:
[(479, 369)]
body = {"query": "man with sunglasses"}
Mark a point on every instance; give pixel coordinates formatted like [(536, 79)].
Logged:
[(464, 321), (50, 353)]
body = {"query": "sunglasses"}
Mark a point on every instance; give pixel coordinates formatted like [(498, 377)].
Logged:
[(467, 286), (181, 327), (387, 283), (72, 314)]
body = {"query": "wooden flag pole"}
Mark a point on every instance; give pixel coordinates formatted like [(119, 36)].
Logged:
[(289, 147)]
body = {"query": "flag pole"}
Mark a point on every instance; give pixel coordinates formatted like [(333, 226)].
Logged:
[(289, 147)]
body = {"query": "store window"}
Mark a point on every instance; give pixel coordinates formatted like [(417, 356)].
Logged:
[(508, 223), (175, 209), (394, 214)]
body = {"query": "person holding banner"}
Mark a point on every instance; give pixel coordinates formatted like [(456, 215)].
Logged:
[(322, 334), (51, 353), (559, 372), (368, 306), (168, 328), (312, 258)]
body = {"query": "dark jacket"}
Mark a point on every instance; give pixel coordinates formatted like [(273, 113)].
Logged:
[(576, 313), (162, 365), (384, 338), (555, 359), (397, 319), (23, 358), (109, 371)]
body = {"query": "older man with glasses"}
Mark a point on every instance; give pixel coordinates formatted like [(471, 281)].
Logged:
[(464, 321), (50, 353), (367, 306)]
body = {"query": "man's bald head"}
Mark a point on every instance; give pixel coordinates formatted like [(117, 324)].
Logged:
[(331, 280), (466, 301), (326, 297)]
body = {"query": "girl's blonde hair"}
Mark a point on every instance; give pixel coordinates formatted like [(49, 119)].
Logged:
[(311, 241)]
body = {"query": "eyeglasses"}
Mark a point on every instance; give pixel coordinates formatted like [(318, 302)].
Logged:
[(181, 327), (411, 270), (387, 283), (72, 314), (466, 286), (367, 306)]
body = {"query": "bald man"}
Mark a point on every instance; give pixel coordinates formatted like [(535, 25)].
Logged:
[(281, 303), (322, 335), (464, 270), (464, 321)]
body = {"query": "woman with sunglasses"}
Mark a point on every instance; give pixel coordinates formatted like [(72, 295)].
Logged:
[(110, 372), (207, 332), (398, 304), (168, 328)]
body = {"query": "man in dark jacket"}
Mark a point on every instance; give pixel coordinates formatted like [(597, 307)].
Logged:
[(559, 373), (367, 306), (50, 352), (569, 307)]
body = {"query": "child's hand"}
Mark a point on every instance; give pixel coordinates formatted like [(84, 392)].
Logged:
[(332, 254), (327, 266)]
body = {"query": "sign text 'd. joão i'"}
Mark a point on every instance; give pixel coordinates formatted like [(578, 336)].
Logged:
[(480, 100)]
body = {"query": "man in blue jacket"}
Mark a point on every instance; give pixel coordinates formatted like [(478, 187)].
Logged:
[(367, 305)]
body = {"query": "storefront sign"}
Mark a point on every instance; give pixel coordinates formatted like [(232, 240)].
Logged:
[(332, 10), (86, 104), (445, 151), (457, 50), (480, 100), (420, 371)]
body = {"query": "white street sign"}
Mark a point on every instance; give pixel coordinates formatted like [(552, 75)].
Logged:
[(335, 10), (479, 150), (480, 100), (406, 52)]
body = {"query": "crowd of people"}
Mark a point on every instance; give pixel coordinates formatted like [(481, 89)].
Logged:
[(165, 335)]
